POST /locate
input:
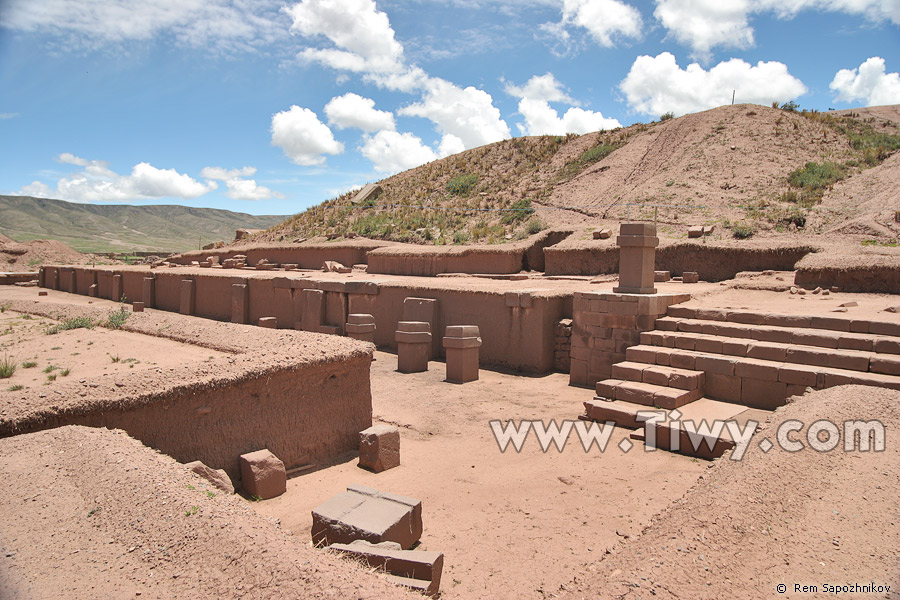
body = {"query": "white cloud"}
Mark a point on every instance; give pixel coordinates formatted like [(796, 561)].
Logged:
[(450, 144), (706, 24), (352, 110), (226, 174), (392, 152), (870, 83), (209, 24), (4, 116), (606, 20), (238, 187), (303, 137), (541, 119), (247, 189), (467, 113), (362, 34), (541, 87), (657, 85), (98, 183)]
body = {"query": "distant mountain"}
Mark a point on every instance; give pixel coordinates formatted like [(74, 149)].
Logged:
[(118, 227)]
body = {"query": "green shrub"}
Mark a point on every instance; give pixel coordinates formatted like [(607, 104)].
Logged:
[(117, 318), (519, 211), (462, 185), (73, 323), (742, 232), (7, 367), (667, 116), (535, 225)]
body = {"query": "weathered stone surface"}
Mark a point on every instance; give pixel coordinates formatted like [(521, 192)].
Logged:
[(415, 565), (364, 513), (379, 448), (268, 322), (217, 477), (263, 474)]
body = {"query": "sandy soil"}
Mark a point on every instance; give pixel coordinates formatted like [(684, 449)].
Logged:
[(510, 525), (776, 518), (28, 256), (82, 354), (94, 514)]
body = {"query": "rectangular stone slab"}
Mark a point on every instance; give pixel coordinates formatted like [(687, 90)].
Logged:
[(364, 513)]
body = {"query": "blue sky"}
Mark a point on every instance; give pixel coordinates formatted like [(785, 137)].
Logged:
[(268, 107)]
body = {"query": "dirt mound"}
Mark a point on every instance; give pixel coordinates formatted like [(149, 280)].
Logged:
[(776, 518), (29, 256), (95, 514)]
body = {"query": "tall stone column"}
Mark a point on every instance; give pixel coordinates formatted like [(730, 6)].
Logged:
[(637, 258)]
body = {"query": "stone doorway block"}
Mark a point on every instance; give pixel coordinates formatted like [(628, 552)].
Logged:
[(364, 513)]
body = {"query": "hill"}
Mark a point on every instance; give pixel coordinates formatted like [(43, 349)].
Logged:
[(752, 170), (118, 228)]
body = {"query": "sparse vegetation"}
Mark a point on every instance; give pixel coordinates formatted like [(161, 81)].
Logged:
[(5, 307), (29, 364), (462, 185), (812, 181), (15, 388), (71, 323), (519, 211), (7, 366), (742, 232), (116, 319), (667, 116)]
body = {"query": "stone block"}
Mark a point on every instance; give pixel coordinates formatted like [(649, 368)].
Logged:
[(268, 322), (690, 277), (637, 257), (379, 448), (418, 569), (186, 305), (42, 293), (660, 276), (767, 395), (217, 477), (695, 231), (363, 513), (240, 303), (148, 295), (723, 387), (603, 234), (313, 309), (137, 307), (263, 474), (413, 346)]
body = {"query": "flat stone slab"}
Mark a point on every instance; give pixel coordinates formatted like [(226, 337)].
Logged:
[(364, 513), (417, 565)]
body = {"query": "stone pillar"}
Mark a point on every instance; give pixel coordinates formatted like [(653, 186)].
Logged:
[(186, 307), (313, 309), (92, 291), (240, 303), (637, 258), (148, 295), (116, 287), (361, 327), (73, 284), (413, 346), (461, 347), (423, 309)]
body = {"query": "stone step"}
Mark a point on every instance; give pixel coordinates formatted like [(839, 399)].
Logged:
[(754, 382), (681, 379), (624, 414), (799, 353), (646, 394), (846, 324), (881, 344)]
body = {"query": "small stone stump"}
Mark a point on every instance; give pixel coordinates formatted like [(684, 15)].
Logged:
[(379, 448), (413, 346), (137, 307), (461, 344), (263, 474), (364, 513), (637, 258), (268, 322), (361, 327), (690, 277)]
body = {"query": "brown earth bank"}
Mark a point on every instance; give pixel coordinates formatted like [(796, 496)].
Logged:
[(805, 518), (95, 514), (28, 256)]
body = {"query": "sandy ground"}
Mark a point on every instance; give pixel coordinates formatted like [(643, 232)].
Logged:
[(803, 518), (94, 514), (81, 354), (510, 525)]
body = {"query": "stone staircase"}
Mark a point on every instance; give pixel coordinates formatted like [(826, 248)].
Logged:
[(709, 363)]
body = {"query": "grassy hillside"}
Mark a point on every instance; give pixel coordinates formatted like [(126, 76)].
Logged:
[(109, 228), (749, 169)]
